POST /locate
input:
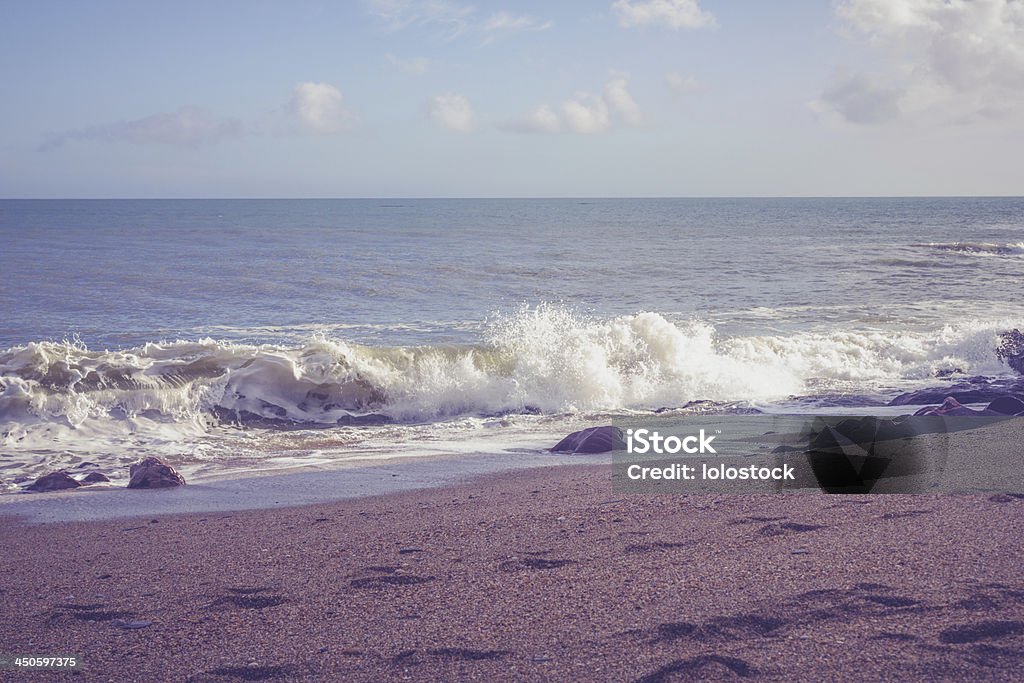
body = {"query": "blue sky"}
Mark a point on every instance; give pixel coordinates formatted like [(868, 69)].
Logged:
[(408, 98)]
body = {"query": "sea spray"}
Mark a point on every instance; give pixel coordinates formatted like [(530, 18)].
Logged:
[(547, 359)]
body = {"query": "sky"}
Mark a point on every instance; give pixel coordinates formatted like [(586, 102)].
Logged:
[(451, 98)]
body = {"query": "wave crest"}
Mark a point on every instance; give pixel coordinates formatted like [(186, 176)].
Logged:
[(547, 359)]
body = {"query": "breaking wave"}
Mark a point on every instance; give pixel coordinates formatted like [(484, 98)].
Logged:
[(540, 360)]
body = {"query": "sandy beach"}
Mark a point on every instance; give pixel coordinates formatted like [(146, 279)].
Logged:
[(542, 574)]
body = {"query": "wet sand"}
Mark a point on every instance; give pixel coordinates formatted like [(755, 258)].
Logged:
[(542, 574)]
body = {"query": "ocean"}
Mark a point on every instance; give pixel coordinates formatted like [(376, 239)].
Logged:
[(248, 335)]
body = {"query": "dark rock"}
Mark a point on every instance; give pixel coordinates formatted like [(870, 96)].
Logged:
[(863, 433), (949, 408), (154, 473), (961, 394), (54, 481), (855, 455), (362, 420), (1007, 405), (592, 440), (973, 390), (276, 417), (94, 478), (1001, 498), (1002, 406), (1011, 349)]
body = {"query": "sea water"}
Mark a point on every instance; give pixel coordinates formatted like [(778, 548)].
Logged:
[(233, 335)]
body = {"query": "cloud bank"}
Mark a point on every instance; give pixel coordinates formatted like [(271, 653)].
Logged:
[(313, 109), (187, 127), (859, 100), (674, 14), (956, 59), (452, 20), (585, 113)]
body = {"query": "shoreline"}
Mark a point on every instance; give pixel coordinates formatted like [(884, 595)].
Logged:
[(538, 574), (310, 451), (967, 454), (274, 489)]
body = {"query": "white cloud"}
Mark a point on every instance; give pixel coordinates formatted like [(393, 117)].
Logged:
[(453, 19), (678, 84), (503, 21), (962, 58), (859, 100), (675, 14), (315, 108), (586, 113), (413, 65), (319, 108), (616, 94), (185, 127), (452, 111), (540, 119)]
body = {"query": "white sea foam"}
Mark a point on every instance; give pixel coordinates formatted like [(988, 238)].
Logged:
[(546, 359), (534, 374)]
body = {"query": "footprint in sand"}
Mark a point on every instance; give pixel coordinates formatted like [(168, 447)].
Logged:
[(787, 528), (644, 548), (250, 601), (741, 626), (704, 667), (754, 519), (892, 600), (93, 613), (982, 630), (532, 563), (991, 597), (1006, 497), (89, 613), (389, 580)]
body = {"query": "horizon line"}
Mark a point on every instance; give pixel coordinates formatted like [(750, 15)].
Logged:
[(522, 197)]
